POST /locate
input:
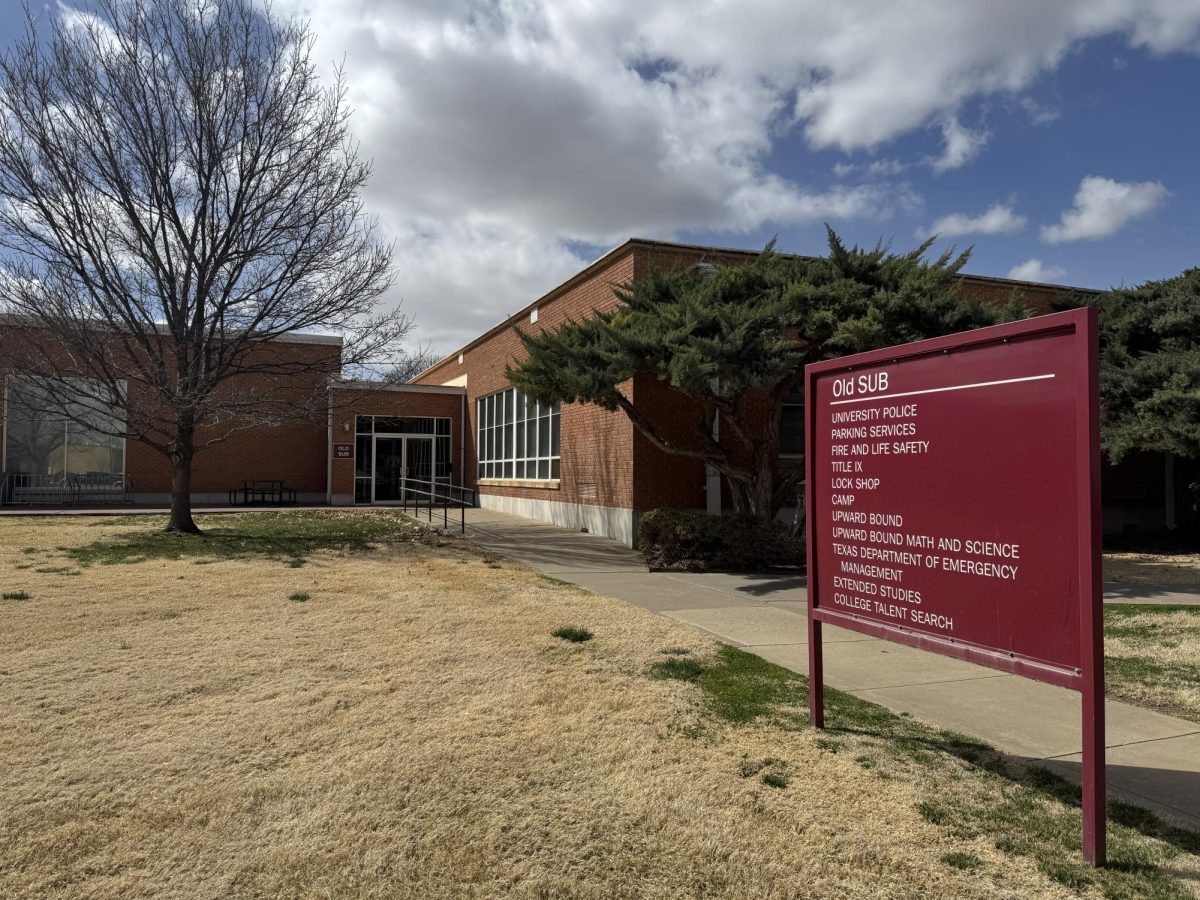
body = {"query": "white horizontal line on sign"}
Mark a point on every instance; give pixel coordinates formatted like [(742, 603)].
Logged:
[(953, 387)]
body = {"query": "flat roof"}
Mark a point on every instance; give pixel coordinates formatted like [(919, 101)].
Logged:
[(627, 245), (293, 337), (358, 385)]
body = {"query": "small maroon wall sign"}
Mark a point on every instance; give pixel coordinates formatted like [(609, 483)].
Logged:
[(343, 451), (954, 505)]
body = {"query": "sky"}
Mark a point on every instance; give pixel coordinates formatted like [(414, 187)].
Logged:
[(515, 141)]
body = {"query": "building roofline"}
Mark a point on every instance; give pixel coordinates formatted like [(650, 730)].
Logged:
[(674, 245), (293, 337), (358, 385), (628, 245), (606, 259)]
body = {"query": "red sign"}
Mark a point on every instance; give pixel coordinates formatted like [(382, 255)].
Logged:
[(343, 451), (953, 502)]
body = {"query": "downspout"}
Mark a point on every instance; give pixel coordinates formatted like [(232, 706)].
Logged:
[(462, 441)]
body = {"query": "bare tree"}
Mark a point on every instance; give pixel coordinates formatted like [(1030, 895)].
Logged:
[(179, 194), (410, 364)]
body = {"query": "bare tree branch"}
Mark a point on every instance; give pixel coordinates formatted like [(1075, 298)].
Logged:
[(179, 193)]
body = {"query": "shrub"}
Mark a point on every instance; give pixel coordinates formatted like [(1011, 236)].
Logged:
[(15, 595), (300, 597), (693, 541)]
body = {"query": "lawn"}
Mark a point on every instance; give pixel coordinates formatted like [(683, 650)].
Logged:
[(343, 704), (1178, 570), (1152, 656)]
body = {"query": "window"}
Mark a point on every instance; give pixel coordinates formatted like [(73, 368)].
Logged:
[(46, 434), (791, 429), (518, 437)]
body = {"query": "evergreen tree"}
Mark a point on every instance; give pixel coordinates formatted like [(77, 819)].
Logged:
[(1150, 367), (730, 336)]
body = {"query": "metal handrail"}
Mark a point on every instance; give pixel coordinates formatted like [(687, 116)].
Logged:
[(25, 489), (466, 500)]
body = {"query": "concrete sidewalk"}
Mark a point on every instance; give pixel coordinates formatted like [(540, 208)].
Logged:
[(1153, 759)]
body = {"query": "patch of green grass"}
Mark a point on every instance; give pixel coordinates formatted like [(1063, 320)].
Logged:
[(1149, 671), (14, 595), (972, 790), (574, 634), (677, 669), (1153, 656), (296, 563), (551, 580), (300, 597), (29, 550), (775, 780), (290, 536), (960, 860), (752, 767), (933, 812), (741, 687)]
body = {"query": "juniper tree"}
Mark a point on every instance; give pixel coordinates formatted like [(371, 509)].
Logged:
[(1150, 367), (178, 191), (733, 338)]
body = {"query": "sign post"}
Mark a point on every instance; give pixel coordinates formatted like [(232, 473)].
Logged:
[(953, 504)]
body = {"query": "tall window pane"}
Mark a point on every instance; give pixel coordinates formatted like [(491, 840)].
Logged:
[(50, 433), (517, 437)]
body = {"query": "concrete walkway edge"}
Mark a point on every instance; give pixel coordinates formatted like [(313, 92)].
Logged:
[(1153, 759)]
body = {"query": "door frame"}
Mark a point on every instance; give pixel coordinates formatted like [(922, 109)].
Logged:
[(403, 439)]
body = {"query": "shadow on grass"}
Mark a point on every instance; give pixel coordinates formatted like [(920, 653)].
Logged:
[(1023, 808), (290, 536)]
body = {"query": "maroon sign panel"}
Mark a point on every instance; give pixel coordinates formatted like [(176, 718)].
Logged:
[(343, 451), (953, 500)]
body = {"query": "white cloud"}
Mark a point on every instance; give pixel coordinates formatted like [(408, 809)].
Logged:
[(997, 219), (1102, 207), (961, 145), (878, 168), (1039, 114), (1036, 270), (549, 125)]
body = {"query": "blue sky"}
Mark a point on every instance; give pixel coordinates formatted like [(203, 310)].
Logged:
[(515, 142), (1109, 110)]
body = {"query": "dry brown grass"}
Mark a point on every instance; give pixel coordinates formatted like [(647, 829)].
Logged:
[(1153, 656), (413, 730), (1175, 569)]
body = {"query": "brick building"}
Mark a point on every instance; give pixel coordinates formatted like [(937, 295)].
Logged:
[(604, 473), (460, 423)]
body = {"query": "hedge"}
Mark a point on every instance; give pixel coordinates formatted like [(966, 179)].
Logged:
[(694, 541)]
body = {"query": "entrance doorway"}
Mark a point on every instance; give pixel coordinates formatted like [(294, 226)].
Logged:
[(397, 457), (403, 469)]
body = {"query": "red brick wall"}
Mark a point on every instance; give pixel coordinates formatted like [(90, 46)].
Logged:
[(605, 461), (294, 452), (353, 403), (1039, 298), (596, 445)]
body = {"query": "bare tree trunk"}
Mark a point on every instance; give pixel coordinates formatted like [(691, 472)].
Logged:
[(181, 521)]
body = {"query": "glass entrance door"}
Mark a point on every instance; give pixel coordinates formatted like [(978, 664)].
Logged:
[(403, 469), (389, 469), (418, 462)]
